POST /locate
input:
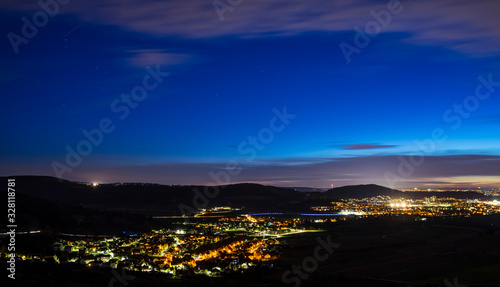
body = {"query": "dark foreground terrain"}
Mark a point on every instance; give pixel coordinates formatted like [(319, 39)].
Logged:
[(383, 251)]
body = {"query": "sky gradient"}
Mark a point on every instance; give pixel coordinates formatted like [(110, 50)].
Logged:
[(208, 92)]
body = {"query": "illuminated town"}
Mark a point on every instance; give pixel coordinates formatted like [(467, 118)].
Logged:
[(426, 207), (219, 241), (174, 252), (229, 244)]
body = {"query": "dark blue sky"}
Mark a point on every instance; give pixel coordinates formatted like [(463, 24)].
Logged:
[(356, 120)]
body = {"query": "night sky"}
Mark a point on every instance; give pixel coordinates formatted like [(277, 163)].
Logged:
[(287, 93)]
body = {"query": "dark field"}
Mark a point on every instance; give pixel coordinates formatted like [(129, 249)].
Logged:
[(404, 252)]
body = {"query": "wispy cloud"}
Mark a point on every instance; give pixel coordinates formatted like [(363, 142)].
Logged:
[(144, 57), (364, 146), (467, 26), (454, 169), (437, 171)]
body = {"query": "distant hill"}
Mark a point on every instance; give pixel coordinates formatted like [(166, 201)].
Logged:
[(55, 205), (308, 189), (156, 199), (362, 191), (371, 190)]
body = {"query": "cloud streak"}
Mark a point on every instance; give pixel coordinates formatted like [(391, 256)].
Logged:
[(364, 146), (467, 26), (144, 57), (438, 171)]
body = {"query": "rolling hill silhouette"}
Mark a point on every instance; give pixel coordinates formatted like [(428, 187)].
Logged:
[(160, 199)]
